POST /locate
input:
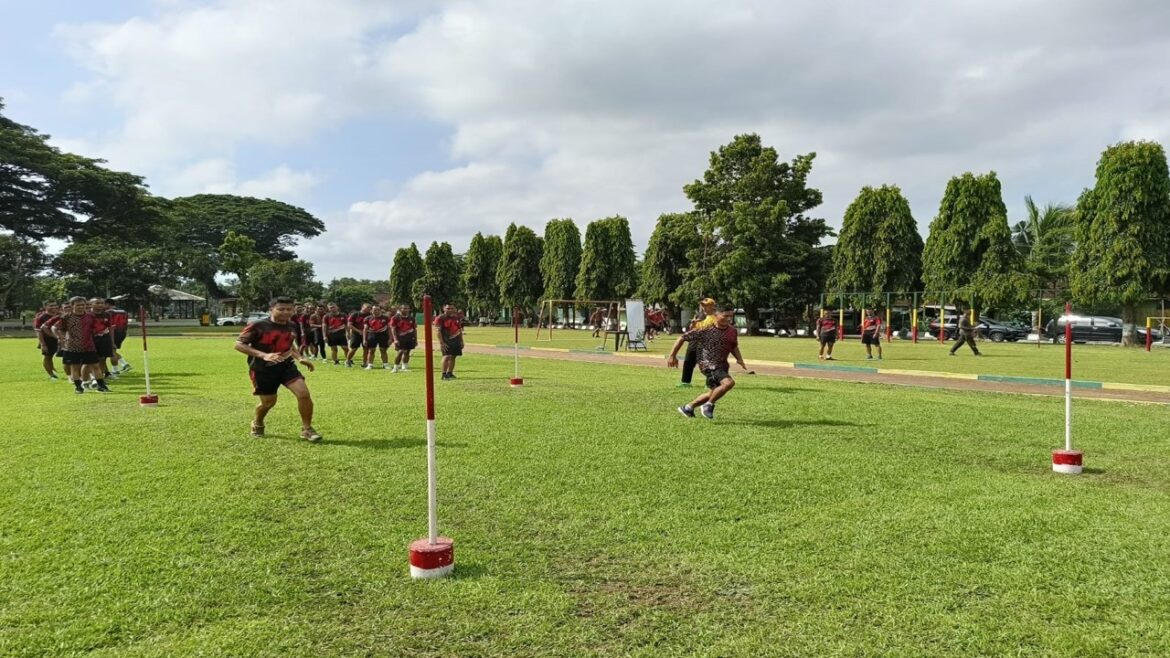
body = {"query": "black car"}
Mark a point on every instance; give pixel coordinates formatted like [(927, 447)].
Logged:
[(1093, 328), (988, 328)]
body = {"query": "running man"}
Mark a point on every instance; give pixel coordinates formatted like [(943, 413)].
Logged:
[(403, 330), (714, 344), (74, 331), (871, 333), (450, 338), (966, 334), (46, 341), (355, 326), (334, 323), (376, 336), (272, 363), (827, 334)]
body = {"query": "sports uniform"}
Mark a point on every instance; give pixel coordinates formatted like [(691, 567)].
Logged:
[(405, 334), (334, 324), (377, 332), (269, 337)]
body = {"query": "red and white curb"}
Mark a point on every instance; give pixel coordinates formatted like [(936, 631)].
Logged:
[(148, 400), (429, 560), (1067, 461)]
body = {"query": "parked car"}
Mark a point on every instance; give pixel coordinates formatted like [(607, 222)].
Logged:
[(1092, 328), (233, 320), (988, 328)]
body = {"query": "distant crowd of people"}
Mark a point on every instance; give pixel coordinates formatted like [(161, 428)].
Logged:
[(87, 335)]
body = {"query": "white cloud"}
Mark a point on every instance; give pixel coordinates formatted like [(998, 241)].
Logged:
[(218, 176), (592, 109)]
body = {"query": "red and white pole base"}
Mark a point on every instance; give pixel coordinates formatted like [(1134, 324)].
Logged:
[(429, 560), (516, 382), (1068, 462), (148, 400)]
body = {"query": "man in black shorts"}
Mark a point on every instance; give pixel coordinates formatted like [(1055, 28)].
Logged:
[(334, 323), (74, 331), (827, 334), (871, 333), (46, 341), (403, 331), (713, 344), (272, 363), (450, 326), (355, 328), (376, 337)]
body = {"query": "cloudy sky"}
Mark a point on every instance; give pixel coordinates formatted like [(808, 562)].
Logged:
[(400, 121)]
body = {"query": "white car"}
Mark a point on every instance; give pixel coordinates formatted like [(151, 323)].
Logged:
[(233, 320)]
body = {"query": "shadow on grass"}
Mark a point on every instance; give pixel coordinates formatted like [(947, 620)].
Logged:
[(783, 423), (781, 389), (467, 571), (386, 444)]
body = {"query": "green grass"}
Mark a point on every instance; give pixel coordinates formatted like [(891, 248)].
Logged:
[(810, 519), (1103, 363)]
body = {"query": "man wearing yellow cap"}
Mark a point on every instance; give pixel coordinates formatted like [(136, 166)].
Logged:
[(703, 319)]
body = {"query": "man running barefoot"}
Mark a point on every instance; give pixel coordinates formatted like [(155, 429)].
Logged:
[(713, 344), (272, 363)]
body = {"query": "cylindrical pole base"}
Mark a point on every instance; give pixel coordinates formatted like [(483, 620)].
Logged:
[(516, 382), (1067, 461), (429, 560), (148, 400)]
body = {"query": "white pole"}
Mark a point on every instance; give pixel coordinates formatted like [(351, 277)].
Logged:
[(146, 371), (1068, 414), (432, 491)]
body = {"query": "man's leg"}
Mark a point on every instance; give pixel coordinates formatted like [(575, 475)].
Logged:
[(266, 403), (689, 361), (700, 401), (879, 346), (959, 343), (725, 385), (304, 401), (974, 348), (47, 364)]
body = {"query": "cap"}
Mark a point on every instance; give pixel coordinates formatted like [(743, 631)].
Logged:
[(706, 301)]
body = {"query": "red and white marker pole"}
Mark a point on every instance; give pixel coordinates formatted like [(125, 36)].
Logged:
[(147, 400), (1068, 460), (517, 381), (432, 556)]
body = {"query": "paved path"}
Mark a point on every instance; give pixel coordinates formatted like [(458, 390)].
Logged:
[(922, 379)]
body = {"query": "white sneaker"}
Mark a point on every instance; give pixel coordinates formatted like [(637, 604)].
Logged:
[(367, 367), (405, 369)]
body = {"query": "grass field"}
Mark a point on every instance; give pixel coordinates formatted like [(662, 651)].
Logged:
[(809, 519)]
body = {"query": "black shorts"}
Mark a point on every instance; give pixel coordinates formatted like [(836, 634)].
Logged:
[(828, 337), (104, 345), (378, 340), (452, 348), (355, 341), (119, 338), (871, 339), (267, 380), (79, 358), (715, 377), (335, 339), (48, 346), (408, 342)]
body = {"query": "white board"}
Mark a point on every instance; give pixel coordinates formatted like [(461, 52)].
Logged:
[(635, 318)]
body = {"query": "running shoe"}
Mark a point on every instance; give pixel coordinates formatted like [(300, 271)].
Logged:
[(687, 411), (257, 430), (311, 435), (709, 411)]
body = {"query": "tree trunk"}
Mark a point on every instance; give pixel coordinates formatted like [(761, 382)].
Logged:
[(751, 313), (1128, 329)]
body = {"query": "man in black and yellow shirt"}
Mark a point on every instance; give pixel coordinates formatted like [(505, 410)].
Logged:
[(705, 318), (272, 363)]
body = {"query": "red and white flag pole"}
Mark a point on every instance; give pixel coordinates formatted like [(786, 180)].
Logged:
[(1067, 460), (148, 400), (432, 556), (516, 380)]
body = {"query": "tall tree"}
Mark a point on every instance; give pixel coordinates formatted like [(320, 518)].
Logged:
[(674, 236), (479, 274), (1046, 241), (407, 268), (292, 278), (879, 248), (608, 261), (46, 193), (521, 284), (113, 268), (969, 249), (1123, 231), (757, 246), (237, 255), (561, 259), (441, 277), (21, 260)]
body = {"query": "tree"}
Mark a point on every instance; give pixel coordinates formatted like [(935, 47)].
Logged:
[(607, 261), (350, 293), (441, 276), (202, 222), (21, 260), (1123, 231), (237, 255), (561, 260), (113, 268), (757, 248), (479, 274), (674, 236), (969, 249), (879, 248), (290, 278), (46, 193), (407, 268), (521, 284), (1046, 241)]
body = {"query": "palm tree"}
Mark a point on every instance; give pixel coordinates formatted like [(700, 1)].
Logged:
[(1046, 241)]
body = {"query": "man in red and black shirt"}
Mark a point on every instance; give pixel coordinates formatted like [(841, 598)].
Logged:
[(827, 334), (713, 344), (334, 323), (272, 363), (46, 341), (119, 325), (354, 328), (103, 336), (298, 321), (871, 333), (376, 336), (450, 327), (74, 331), (404, 332)]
